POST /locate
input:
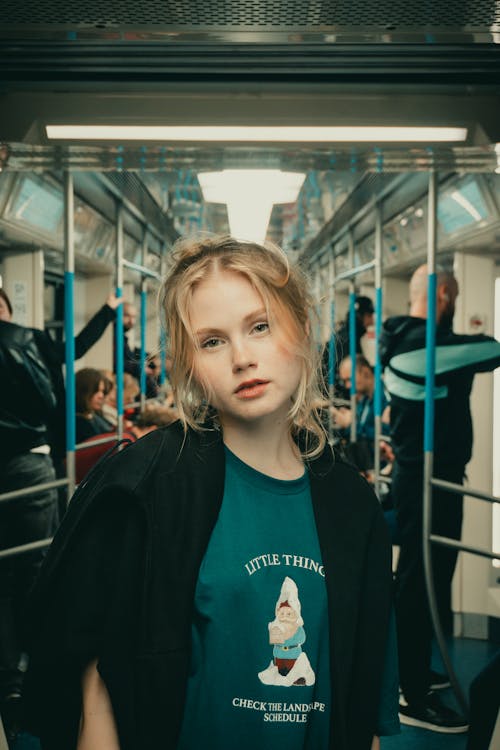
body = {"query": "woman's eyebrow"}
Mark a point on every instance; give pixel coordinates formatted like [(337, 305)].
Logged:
[(213, 329)]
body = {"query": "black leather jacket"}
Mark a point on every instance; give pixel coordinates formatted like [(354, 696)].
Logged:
[(26, 393)]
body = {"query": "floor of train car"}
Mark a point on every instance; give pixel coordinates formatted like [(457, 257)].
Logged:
[(469, 657)]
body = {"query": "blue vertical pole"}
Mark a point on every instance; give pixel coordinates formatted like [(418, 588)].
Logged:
[(331, 345), (378, 331), (144, 304), (119, 321), (331, 350), (430, 368), (69, 331), (352, 354), (378, 364), (163, 357), (69, 346), (430, 363), (352, 340), (163, 334)]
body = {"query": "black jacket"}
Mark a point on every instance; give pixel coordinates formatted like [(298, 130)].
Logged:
[(26, 396), (119, 583), (458, 359)]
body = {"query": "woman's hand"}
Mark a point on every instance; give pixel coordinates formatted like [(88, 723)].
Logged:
[(375, 743)]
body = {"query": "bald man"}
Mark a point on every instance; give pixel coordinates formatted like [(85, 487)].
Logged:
[(458, 358)]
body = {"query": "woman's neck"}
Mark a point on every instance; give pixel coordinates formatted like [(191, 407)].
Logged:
[(271, 452)]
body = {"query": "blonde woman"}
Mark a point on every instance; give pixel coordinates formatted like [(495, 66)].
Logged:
[(153, 609)]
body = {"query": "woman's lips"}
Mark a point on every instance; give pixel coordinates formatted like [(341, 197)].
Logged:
[(252, 389)]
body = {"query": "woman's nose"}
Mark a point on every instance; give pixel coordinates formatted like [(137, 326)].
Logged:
[(242, 357)]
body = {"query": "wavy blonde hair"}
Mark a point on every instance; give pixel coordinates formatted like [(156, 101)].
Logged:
[(284, 291)]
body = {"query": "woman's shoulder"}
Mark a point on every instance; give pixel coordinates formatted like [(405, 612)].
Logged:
[(163, 450), (340, 479)]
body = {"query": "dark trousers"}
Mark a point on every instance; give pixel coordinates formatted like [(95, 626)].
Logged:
[(412, 609), (22, 520)]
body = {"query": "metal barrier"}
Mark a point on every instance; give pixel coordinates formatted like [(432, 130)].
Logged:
[(428, 480), (33, 490)]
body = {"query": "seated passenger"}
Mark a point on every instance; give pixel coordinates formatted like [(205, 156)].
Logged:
[(130, 392), (365, 400), (90, 392), (149, 419)]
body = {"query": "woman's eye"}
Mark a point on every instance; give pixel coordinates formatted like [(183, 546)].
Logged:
[(210, 343), (261, 327)]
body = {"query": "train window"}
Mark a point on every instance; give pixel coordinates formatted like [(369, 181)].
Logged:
[(37, 203), (461, 205)]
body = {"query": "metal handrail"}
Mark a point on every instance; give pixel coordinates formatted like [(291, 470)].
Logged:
[(23, 548), (460, 489), (27, 491), (444, 541), (143, 270), (347, 275), (89, 443)]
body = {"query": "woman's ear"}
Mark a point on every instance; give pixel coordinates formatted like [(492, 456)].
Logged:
[(442, 292)]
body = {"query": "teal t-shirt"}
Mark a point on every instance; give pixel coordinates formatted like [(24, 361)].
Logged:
[(260, 667), (260, 675)]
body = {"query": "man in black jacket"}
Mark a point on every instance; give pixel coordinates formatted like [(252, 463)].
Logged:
[(32, 435), (26, 403), (458, 358)]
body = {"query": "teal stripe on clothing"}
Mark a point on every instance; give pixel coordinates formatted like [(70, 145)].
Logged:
[(410, 391), (448, 358)]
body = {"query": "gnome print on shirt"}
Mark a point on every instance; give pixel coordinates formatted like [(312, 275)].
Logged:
[(289, 665)]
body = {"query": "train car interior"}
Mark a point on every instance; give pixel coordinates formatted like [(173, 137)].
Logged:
[(339, 131)]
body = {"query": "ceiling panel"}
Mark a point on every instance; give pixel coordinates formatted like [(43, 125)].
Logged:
[(354, 16)]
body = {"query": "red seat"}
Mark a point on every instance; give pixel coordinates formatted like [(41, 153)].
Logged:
[(86, 458)]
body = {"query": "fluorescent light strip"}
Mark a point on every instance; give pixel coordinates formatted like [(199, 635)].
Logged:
[(250, 195), (253, 134)]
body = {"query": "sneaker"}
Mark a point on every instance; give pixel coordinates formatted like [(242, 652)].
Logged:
[(433, 715), (439, 681)]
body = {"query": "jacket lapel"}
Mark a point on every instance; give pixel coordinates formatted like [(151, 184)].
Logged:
[(337, 534)]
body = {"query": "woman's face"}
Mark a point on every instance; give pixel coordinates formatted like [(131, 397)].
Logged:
[(4, 311), (111, 396), (242, 359), (97, 399)]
